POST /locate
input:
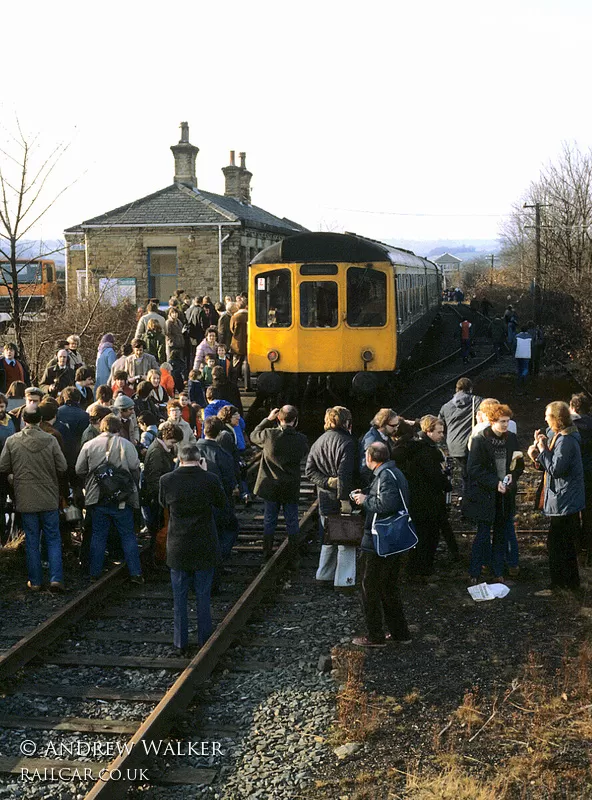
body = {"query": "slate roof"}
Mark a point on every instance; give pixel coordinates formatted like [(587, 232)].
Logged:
[(180, 205)]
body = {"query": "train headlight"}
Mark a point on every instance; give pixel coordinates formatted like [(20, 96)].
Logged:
[(367, 355), (273, 356)]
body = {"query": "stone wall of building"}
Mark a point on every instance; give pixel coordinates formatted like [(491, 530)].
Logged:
[(123, 253)]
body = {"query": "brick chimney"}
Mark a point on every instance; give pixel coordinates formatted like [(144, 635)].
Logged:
[(231, 179), (244, 180), (185, 155)]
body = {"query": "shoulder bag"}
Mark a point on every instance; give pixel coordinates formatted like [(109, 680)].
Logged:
[(395, 533), (115, 484), (344, 529)]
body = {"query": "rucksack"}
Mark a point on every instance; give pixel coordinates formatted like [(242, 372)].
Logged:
[(115, 484)]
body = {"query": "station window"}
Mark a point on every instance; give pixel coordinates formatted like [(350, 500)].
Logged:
[(318, 304), (273, 299), (162, 271), (366, 298)]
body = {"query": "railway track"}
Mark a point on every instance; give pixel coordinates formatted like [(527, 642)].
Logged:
[(86, 657), (443, 373)]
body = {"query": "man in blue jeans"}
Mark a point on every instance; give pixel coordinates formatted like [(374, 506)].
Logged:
[(191, 494), (35, 460), (278, 480), (109, 446)]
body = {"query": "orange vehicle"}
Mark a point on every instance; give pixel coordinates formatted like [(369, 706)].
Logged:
[(36, 278)]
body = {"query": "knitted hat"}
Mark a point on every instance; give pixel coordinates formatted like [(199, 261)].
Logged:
[(123, 402)]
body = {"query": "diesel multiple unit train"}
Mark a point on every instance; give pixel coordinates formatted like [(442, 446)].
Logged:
[(337, 308)]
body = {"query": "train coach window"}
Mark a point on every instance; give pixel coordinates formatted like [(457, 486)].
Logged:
[(273, 299), (366, 298), (318, 304)]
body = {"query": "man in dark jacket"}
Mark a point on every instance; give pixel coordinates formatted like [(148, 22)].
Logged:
[(459, 415), (278, 479), (428, 484), (159, 460), (55, 378), (74, 421), (579, 407), (197, 322), (221, 463), (380, 592), (190, 494)]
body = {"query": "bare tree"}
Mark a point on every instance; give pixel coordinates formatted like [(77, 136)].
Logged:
[(564, 191), (24, 175)]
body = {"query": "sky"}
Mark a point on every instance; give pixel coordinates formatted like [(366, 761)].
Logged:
[(393, 120)]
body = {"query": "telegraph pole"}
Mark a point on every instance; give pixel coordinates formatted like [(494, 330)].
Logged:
[(491, 273), (537, 274)]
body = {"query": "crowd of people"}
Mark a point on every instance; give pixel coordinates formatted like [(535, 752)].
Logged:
[(161, 442), (87, 448)]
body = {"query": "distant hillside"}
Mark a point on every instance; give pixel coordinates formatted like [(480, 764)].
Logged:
[(466, 249)]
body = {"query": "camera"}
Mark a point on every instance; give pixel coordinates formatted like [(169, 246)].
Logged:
[(507, 480)]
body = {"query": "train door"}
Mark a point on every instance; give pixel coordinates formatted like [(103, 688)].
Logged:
[(369, 318), (319, 318)]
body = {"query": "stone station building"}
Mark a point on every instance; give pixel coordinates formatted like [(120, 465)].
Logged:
[(178, 237)]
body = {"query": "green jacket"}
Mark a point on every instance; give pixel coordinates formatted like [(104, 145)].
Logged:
[(34, 459)]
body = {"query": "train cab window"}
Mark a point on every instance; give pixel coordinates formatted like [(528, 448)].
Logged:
[(273, 299), (318, 304), (366, 298)]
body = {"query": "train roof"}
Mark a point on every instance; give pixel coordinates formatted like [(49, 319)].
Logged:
[(336, 247)]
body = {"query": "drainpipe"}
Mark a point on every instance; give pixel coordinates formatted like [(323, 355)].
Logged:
[(86, 264), (220, 243)]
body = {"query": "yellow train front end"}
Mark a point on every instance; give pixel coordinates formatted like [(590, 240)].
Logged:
[(335, 320)]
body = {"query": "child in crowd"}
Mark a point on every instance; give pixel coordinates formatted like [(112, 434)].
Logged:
[(147, 422), (121, 386), (195, 389), (224, 359), (190, 412), (175, 416), (159, 393), (215, 403), (206, 371)]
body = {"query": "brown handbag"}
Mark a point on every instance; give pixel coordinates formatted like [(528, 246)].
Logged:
[(344, 529)]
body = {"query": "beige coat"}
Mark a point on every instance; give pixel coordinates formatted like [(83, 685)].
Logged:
[(238, 327), (34, 459), (121, 454)]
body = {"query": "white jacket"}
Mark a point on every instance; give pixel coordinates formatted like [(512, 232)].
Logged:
[(523, 346)]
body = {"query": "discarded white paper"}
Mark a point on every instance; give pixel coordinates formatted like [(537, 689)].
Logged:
[(488, 591)]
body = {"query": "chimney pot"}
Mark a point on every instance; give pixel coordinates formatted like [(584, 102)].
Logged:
[(232, 158), (243, 158), (185, 154)]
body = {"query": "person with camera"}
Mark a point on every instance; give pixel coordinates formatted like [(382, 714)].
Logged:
[(495, 463), (278, 479), (388, 494), (563, 493), (429, 480)]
